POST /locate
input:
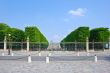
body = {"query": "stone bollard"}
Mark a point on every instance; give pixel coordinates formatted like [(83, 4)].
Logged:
[(12, 54), (77, 53), (104, 50), (88, 54), (29, 59), (47, 59), (95, 58), (39, 53), (49, 54), (3, 54)]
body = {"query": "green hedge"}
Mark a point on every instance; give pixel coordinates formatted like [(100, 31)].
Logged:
[(99, 35), (3, 31), (78, 35), (36, 36), (17, 35)]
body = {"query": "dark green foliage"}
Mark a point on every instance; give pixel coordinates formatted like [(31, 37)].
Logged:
[(78, 35), (82, 33), (2, 34), (3, 30), (99, 35), (33, 33), (17, 35), (3, 26), (36, 36)]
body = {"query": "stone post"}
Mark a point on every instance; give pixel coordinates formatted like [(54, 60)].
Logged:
[(3, 54), (39, 53), (47, 59), (49, 54), (5, 44), (29, 59), (95, 58), (75, 46), (87, 45), (27, 44)]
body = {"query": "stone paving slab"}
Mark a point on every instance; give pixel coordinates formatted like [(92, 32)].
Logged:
[(55, 67)]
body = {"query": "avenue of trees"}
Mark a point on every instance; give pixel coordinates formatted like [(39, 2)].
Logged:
[(17, 35), (76, 40)]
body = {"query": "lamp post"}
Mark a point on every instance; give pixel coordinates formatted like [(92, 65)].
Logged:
[(9, 50)]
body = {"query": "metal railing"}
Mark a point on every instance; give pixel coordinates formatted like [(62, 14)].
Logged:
[(67, 46)]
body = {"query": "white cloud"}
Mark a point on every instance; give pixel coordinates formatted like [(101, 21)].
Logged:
[(78, 12)]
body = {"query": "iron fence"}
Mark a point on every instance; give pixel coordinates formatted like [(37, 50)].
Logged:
[(70, 46)]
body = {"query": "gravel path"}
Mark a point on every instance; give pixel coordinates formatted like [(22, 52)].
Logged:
[(58, 53), (102, 66), (55, 67)]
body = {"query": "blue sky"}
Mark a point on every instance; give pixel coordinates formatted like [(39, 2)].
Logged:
[(55, 18)]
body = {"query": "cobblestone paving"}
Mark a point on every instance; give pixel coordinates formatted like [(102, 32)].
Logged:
[(55, 67), (102, 66)]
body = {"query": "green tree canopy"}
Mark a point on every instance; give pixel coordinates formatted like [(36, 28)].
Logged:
[(33, 33), (99, 35), (79, 35), (2, 34), (17, 35), (36, 36), (3, 26), (3, 30)]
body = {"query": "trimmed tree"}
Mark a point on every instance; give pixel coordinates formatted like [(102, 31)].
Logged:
[(3, 31), (100, 35), (17, 36), (78, 35), (36, 38)]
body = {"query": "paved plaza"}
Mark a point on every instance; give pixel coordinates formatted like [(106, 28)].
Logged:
[(60, 62)]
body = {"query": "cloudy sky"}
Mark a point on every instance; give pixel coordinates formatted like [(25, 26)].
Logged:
[(55, 18)]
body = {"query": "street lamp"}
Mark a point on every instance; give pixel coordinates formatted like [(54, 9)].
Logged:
[(9, 50)]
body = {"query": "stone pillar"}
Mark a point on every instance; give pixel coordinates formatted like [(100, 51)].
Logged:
[(27, 44), (93, 45), (109, 43), (87, 45), (76, 46), (5, 44)]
